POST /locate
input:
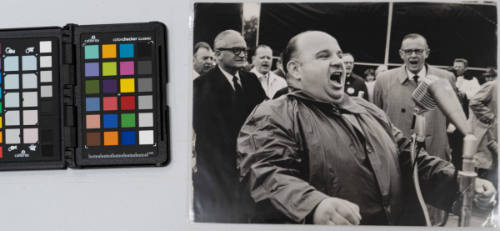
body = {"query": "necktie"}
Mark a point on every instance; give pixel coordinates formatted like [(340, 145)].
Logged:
[(415, 78), (237, 88)]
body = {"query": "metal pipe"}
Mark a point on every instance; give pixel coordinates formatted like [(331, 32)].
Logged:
[(388, 35), (467, 179), (416, 145)]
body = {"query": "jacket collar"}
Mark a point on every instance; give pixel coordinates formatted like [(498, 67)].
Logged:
[(347, 103), (403, 75)]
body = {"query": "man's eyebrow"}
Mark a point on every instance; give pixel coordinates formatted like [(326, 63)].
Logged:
[(321, 52)]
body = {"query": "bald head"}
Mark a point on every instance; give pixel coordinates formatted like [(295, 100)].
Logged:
[(291, 50), (314, 65)]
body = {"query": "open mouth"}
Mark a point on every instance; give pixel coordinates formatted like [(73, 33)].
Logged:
[(336, 76), (413, 62)]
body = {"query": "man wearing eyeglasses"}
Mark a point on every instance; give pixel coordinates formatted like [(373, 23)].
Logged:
[(393, 91), (223, 98)]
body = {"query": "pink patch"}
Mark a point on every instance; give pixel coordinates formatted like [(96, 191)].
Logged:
[(127, 68)]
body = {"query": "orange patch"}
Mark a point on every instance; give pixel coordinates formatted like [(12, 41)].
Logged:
[(108, 51), (110, 138)]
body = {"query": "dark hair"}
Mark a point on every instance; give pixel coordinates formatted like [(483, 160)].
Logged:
[(289, 50), (462, 60), (369, 71), (199, 45)]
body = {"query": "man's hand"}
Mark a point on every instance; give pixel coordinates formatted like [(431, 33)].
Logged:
[(336, 211), (451, 128), (485, 194)]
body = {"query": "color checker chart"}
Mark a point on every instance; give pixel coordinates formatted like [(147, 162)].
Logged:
[(28, 100), (83, 95), (121, 95)]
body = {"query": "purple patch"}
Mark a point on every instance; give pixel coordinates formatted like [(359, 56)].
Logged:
[(109, 86), (127, 68), (91, 69)]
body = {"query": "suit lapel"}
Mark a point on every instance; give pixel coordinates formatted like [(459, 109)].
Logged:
[(222, 81), (402, 75), (244, 82)]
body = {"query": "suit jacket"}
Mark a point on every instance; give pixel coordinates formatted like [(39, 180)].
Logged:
[(392, 93), (217, 118), (483, 120)]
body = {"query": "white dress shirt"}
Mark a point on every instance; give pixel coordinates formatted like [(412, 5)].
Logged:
[(421, 74), (270, 82), (229, 77), (470, 87), (195, 74)]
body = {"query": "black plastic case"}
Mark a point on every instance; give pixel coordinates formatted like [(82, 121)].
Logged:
[(61, 119)]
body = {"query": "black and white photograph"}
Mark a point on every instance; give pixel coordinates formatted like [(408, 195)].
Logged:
[(345, 113)]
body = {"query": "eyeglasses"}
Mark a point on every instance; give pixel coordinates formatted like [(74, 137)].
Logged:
[(410, 51), (235, 50)]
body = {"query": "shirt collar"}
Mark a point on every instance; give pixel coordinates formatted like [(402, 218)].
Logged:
[(420, 74), (229, 77), (409, 75), (260, 75)]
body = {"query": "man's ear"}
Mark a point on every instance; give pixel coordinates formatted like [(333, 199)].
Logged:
[(401, 54), (253, 59), (217, 53), (293, 68), (427, 52)]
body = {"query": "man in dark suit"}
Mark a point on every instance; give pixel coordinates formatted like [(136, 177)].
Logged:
[(223, 98), (354, 84)]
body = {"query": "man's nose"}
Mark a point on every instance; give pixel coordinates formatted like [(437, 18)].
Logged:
[(337, 63), (413, 54)]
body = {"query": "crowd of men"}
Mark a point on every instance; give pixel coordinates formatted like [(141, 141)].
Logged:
[(313, 142)]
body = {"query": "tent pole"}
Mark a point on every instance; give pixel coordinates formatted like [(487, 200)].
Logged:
[(388, 36)]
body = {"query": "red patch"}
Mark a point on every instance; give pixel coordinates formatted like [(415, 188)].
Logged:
[(127, 103)]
